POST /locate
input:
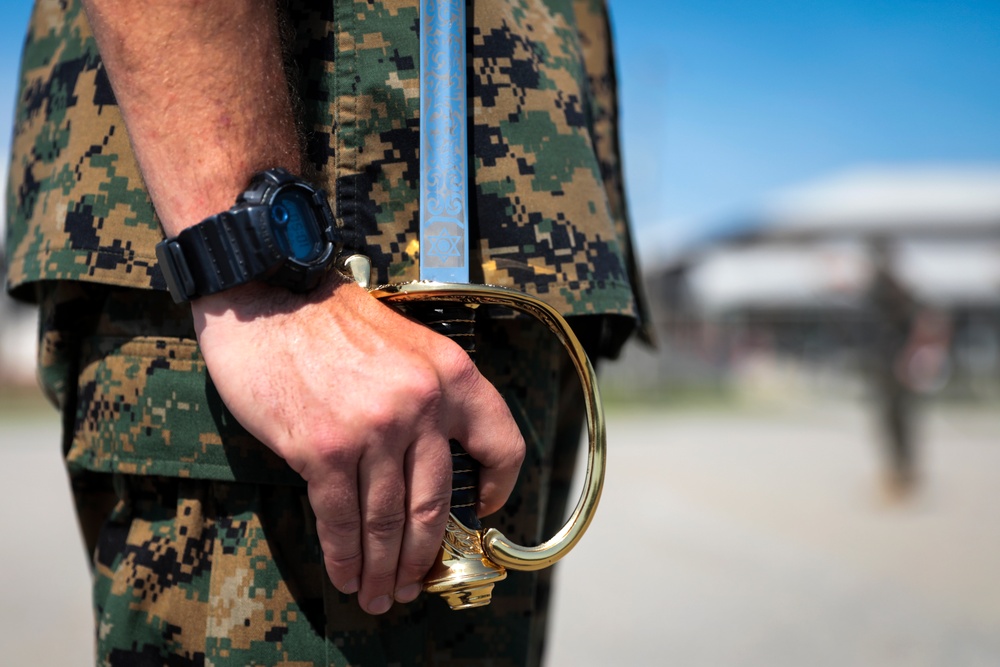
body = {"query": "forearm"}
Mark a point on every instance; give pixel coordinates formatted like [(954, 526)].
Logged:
[(202, 88)]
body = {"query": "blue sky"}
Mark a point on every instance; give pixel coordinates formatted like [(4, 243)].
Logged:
[(727, 101)]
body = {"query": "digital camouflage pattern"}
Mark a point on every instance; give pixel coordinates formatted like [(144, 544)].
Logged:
[(76, 206), (204, 551), (547, 203), (196, 572), (124, 367)]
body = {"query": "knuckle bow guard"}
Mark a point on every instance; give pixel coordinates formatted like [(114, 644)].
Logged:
[(471, 560)]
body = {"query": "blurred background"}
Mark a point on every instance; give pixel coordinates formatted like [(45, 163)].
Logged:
[(807, 470)]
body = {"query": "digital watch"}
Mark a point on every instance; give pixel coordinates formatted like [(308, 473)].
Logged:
[(281, 231)]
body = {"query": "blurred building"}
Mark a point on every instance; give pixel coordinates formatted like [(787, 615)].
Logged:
[(791, 282)]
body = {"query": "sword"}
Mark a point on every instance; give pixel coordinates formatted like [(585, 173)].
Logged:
[(472, 561), (463, 575)]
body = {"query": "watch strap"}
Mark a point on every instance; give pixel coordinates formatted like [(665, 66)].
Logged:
[(223, 251)]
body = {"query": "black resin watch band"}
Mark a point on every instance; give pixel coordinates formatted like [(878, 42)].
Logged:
[(220, 252)]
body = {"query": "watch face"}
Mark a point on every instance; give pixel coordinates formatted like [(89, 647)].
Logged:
[(294, 225)]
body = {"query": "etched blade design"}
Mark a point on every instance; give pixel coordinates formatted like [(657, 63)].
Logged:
[(444, 213)]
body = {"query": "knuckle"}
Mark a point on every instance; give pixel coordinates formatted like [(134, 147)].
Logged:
[(424, 387), (509, 444), (340, 563), (459, 367), (518, 450), (379, 420), (333, 454), (378, 577), (384, 526), (417, 564), (339, 528), (432, 512), (323, 449)]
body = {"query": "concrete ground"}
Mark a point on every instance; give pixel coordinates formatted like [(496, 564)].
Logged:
[(725, 537), (764, 538)]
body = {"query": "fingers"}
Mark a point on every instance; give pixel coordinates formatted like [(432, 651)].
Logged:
[(428, 475), (381, 532), (383, 512), (335, 501), (490, 434), (381, 528)]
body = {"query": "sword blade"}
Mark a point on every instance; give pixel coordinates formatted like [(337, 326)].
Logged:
[(444, 211)]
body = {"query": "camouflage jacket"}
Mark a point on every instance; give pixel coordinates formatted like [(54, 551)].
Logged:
[(548, 201), (547, 205)]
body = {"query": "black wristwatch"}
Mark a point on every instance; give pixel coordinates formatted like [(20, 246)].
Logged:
[(281, 231)]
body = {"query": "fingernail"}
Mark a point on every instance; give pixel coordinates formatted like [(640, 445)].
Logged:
[(380, 605), (351, 587), (408, 593)]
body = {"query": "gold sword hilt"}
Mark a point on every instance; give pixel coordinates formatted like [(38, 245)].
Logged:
[(472, 560)]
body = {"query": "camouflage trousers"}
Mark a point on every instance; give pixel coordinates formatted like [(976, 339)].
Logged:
[(210, 572)]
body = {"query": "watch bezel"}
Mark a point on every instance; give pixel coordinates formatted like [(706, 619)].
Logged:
[(292, 273)]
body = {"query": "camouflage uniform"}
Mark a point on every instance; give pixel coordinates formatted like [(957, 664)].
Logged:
[(203, 545)]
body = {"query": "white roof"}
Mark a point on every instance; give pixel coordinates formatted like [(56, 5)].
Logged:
[(782, 276), (807, 246), (837, 273), (938, 200)]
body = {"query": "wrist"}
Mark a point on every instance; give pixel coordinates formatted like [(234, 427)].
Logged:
[(259, 299), (280, 231)]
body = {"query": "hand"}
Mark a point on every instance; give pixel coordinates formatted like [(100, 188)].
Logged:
[(361, 402)]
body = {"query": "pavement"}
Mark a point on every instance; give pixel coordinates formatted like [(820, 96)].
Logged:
[(764, 538), (743, 536)]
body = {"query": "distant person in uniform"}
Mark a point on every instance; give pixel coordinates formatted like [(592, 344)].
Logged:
[(893, 312)]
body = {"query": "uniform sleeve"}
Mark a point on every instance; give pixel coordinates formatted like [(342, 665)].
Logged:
[(596, 42), (77, 207)]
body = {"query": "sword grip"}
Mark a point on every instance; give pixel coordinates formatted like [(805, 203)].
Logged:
[(462, 575), (458, 323), (464, 486)]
